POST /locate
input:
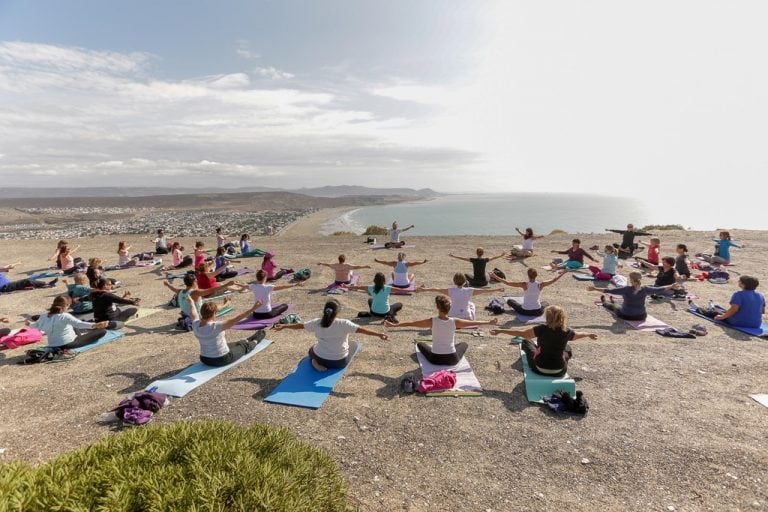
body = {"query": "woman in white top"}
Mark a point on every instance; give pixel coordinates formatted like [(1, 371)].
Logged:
[(531, 305), (401, 278), (64, 330), (444, 351), (214, 350), (332, 347), (525, 250), (460, 295), (263, 293)]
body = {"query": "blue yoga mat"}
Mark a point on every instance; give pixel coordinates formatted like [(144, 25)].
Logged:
[(537, 385), (754, 331), (43, 275), (107, 338), (197, 374), (306, 387)]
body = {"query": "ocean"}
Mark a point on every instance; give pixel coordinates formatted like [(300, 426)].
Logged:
[(499, 214)]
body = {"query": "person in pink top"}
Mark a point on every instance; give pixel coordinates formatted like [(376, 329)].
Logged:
[(200, 253), (269, 266), (177, 258)]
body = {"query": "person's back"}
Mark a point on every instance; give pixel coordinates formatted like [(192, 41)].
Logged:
[(460, 303), (263, 293), (552, 345), (204, 281), (751, 305), (184, 302), (213, 343), (332, 341), (79, 291), (380, 299), (531, 296), (343, 272), (634, 300), (59, 328), (478, 270), (401, 274), (443, 332)]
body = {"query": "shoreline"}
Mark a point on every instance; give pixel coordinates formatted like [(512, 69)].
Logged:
[(311, 224)]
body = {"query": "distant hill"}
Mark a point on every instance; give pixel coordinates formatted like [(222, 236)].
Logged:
[(106, 192)]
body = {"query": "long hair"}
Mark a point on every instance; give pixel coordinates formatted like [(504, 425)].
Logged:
[(120, 247), (60, 305), (330, 310), (378, 282), (528, 233), (443, 304), (635, 279), (555, 318)]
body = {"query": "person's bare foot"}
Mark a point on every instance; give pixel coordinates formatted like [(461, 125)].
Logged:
[(317, 366), (227, 300)]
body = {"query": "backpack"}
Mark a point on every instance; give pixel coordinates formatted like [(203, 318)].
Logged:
[(291, 319), (495, 306), (409, 384), (718, 277), (23, 336), (562, 402), (442, 379), (302, 274), (498, 273)]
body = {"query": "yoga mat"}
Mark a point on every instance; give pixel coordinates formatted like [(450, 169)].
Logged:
[(245, 270), (252, 324), (336, 289), (219, 296), (584, 277), (760, 332), (466, 380), (197, 374), (141, 313), (650, 323), (580, 269), (306, 387), (223, 311), (538, 386), (107, 338), (402, 291), (171, 276), (526, 319), (140, 264), (43, 275), (377, 247), (761, 399)]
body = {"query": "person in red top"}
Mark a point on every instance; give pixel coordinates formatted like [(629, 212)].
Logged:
[(652, 259), (575, 257), (206, 279)]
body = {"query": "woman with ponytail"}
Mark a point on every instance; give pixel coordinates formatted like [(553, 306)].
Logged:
[(378, 304), (64, 331), (332, 347), (633, 307)]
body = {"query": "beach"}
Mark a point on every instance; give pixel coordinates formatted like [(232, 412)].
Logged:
[(670, 426), (312, 224)]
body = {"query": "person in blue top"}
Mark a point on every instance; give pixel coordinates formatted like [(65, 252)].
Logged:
[(7, 286), (401, 278), (722, 254), (378, 304), (747, 305), (633, 307), (245, 248), (610, 262)]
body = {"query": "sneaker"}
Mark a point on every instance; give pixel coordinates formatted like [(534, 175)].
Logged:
[(60, 356)]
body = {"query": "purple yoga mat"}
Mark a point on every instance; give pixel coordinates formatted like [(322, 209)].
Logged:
[(352, 282), (252, 324), (396, 290), (244, 271)]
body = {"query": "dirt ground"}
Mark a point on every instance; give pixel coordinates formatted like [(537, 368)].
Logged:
[(671, 426)]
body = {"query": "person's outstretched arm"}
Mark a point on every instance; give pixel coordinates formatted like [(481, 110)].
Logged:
[(369, 332), (357, 288), (286, 286), (513, 284), (589, 335), (280, 327), (358, 267), (444, 291), (619, 231), (387, 263), (462, 324), (171, 287), (329, 265), (406, 229), (460, 258), (497, 257), (544, 284), (519, 232), (425, 324), (559, 252), (242, 316), (589, 256), (523, 333), (480, 291), (4, 320), (416, 263)]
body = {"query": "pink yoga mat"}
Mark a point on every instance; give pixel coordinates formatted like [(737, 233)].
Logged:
[(252, 324), (396, 290), (337, 288)]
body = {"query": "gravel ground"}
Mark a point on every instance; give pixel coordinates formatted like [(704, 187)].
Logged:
[(670, 426)]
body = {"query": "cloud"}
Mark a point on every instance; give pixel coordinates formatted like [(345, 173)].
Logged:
[(104, 117), (274, 74), (243, 50)]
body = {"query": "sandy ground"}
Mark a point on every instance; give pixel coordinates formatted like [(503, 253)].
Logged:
[(311, 224), (670, 427)]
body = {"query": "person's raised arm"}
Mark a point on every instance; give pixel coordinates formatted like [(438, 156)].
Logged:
[(387, 263), (589, 335), (242, 316), (544, 284), (171, 287), (463, 324), (460, 258), (497, 257), (279, 327), (192, 308), (424, 324), (369, 332), (519, 232), (73, 251), (406, 229), (523, 333)]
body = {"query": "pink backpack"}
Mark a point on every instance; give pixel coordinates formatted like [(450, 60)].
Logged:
[(24, 336), (443, 379)]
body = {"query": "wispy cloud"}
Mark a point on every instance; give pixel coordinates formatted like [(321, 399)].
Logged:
[(274, 73)]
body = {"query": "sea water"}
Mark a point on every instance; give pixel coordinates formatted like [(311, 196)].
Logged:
[(499, 214)]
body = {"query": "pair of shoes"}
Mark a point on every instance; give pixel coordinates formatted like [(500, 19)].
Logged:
[(60, 356), (392, 320)]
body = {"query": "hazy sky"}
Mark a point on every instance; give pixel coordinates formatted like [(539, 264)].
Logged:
[(595, 96)]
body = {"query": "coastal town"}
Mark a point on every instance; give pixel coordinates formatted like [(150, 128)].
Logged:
[(79, 222)]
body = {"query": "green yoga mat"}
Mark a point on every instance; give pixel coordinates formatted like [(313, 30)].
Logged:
[(538, 386)]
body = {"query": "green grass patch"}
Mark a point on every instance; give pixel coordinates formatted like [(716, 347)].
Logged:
[(557, 232), (192, 466), (343, 233), (376, 230), (662, 227)]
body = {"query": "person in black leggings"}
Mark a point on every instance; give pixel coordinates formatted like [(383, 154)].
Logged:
[(7, 286), (262, 292), (379, 305), (63, 330)]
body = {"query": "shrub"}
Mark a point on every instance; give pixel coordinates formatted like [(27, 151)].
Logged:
[(342, 233), (557, 232), (662, 227), (376, 230), (211, 465)]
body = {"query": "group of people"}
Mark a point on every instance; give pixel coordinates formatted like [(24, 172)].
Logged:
[(92, 292)]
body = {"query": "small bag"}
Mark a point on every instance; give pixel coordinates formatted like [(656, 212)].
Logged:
[(23, 336), (497, 273), (495, 306), (442, 379), (302, 274), (291, 319), (184, 323), (409, 384)]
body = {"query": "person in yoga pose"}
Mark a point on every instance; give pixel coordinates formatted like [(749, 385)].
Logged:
[(95, 272), (747, 306), (401, 278), (575, 257), (460, 295), (263, 293), (343, 270), (67, 259), (394, 236), (628, 245), (192, 291), (331, 350), (610, 262), (7, 286), (105, 305), (479, 277), (379, 305), (78, 294), (124, 256), (269, 266), (722, 255), (64, 331), (221, 239), (681, 262), (223, 264), (531, 305), (652, 259), (162, 244), (525, 250), (552, 350), (214, 349), (245, 247), (178, 259), (633, 307), (666, 274), (207, 279), (444, 349), (55, 255), (200, 254)]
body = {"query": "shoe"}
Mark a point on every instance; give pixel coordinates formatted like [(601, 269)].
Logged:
[(392, 320), (258, 336), (60, 356), (53, 283)]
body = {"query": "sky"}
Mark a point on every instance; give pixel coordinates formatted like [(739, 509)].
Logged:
[(660, 98)]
